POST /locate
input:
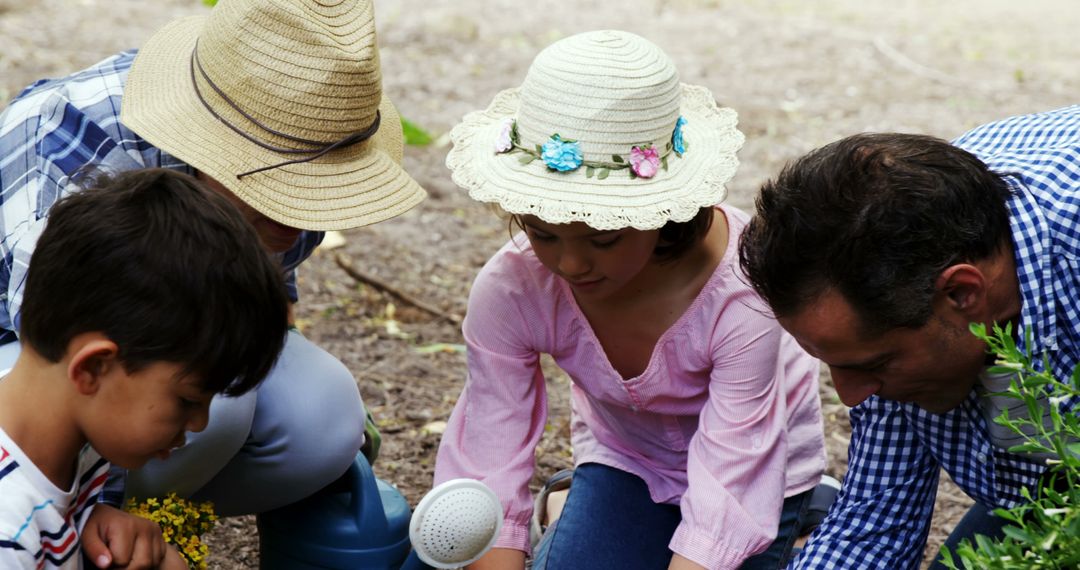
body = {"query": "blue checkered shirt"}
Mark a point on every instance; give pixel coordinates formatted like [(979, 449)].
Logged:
[(50, 131), (882, 516)]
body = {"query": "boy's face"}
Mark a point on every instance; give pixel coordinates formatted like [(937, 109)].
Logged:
[(134, 417)]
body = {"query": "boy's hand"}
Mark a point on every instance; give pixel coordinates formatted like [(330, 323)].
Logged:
[(173, 560), (115, 539)]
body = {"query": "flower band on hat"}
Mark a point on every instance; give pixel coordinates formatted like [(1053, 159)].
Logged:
[(320, 147), (565, 155)]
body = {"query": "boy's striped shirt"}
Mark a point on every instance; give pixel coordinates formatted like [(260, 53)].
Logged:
[(39, 523)]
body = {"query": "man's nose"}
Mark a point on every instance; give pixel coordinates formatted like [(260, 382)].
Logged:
[(854, 386)]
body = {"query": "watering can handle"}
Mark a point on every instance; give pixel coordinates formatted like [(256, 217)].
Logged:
[(366, 503)]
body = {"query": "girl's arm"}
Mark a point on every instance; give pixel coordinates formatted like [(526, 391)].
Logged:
[(500, 559), (737, 459), (680, 563), (499, 418)]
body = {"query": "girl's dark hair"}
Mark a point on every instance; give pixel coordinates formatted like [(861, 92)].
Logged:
[(167, 269), (676, 238), (876, 217)]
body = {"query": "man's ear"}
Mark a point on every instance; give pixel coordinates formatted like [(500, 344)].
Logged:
[(90, 357), (963, 288)]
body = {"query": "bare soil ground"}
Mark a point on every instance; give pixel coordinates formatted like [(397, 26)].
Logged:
[(800, 75)]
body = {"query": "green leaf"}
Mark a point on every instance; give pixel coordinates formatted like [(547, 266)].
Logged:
[(539, 149), (946, 558), (633, 175), (1026, 447), (589, 171), (210, 3), (663, 162), (526, 158), (618, 159), (1016, 533), (414, 135), (603, 174)]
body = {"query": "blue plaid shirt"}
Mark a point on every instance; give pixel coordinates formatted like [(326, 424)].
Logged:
[(882, 515), (50, 131)]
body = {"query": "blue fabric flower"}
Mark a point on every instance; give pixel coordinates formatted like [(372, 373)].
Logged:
[(561, 155), (677, 143)]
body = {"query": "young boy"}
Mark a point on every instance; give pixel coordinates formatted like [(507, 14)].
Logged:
[(147, 294)]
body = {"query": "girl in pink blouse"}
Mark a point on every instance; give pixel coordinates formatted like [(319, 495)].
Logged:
[(696, 421)]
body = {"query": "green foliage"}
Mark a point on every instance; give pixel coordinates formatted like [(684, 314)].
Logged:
[(1044, 531), (415, 135)]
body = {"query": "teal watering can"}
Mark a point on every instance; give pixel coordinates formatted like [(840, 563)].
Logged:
[(360, 522)]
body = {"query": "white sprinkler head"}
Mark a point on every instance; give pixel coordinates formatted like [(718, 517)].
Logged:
[(455, 523)]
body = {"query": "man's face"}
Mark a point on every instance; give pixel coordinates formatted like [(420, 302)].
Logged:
[(934, 366), (275, 237)]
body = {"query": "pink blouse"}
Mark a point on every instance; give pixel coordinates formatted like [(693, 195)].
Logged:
[(725, 421)]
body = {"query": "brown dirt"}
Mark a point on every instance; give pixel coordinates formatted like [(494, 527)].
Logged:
[(800, 75)]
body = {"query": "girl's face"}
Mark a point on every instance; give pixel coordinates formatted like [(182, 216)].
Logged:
[(597, 264)]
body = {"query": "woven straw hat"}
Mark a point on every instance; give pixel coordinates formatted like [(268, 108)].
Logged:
[(634, 146), (258, 83)]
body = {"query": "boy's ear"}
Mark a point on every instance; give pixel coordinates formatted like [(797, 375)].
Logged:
[(963, 288), (91, 357)]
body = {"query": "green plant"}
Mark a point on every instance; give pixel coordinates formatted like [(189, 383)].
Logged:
[(1044, 531)]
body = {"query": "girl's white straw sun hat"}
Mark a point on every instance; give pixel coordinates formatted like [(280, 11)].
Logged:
[(281, 102), (602, 132)]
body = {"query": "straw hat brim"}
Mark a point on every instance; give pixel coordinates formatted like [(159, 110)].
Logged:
[(346, 188), (692, 181)]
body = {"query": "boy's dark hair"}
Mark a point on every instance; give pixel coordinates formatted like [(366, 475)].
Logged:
[(676, 238), (167, 269), (876, 217)]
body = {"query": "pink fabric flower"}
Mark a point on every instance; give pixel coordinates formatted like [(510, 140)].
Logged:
[(644, 161), (504, 142)]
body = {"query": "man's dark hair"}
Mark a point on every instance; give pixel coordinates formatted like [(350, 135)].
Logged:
[(167, 269), (876, 217)]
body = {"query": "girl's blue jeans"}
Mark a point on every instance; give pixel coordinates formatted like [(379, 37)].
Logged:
[(609, 521)]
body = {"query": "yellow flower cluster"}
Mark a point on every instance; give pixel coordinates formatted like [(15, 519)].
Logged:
[(182, 523)]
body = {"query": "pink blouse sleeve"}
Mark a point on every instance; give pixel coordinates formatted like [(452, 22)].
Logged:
[(735, 466), (499, 417)]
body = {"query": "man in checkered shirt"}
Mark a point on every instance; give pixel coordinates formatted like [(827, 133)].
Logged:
[(876, 252)]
